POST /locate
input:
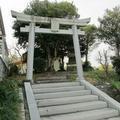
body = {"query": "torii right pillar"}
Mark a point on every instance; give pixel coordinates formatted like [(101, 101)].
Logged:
[(77, 53)]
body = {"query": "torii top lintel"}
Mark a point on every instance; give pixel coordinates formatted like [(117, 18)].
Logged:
[(30, 18)]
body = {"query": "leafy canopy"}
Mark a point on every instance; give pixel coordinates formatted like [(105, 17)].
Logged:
[(109, 29), (90, 34), (51, 9), (48, 46), (45, 9)]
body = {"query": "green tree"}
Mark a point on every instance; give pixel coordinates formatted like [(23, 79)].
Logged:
[(89, 38), (53, 45), (116, 64), (51, 9), (109, 30)]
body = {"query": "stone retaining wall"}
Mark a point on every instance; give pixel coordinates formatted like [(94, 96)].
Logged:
[(3, 69)]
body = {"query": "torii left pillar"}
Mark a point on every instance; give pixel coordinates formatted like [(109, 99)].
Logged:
[(30, 54)]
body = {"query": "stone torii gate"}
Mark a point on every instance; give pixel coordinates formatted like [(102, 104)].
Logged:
[(55, 24)]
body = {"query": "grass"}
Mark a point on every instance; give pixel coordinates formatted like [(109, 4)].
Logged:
[(110, 82), (95, 76), (98, 77), (20, 78), (9, 100), (116, 85)]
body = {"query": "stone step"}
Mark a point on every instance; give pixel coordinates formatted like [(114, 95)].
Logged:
[(57, 77), (58, 89), (71, 108), (66, 100), (51, 81), (115, 118), (86, 115), (62, 94), (51, 85)]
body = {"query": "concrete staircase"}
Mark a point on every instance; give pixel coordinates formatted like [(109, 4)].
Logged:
[(71, 101)]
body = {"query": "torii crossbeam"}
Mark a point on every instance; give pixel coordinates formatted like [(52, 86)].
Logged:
[(55, 29)]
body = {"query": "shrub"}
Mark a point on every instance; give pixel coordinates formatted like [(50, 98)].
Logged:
[(72, 68), (9, 100), (87, 66), (99, 77), (116, 64), (95, 76), (39, 64), (13, 69), (116, 85)]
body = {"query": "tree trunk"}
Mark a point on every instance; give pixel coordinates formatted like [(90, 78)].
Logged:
[(49, 58), (55, 53), (56, 49), (86, 57), (86, 53)]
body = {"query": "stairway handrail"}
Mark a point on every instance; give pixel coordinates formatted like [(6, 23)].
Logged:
[(32, 106), (102, 96)]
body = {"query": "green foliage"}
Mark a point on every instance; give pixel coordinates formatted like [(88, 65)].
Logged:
[(116, 64), (71, 68), (95, 76), (45, 9), (110, 28), (9, 100), (39, 64), (109, 84), (110, 67), (112, 76), (51, 9), (116, 85), (99, 76), (53, 45), (89, 40), (13, 69), (90, 34), (87, 66), (72, 77)]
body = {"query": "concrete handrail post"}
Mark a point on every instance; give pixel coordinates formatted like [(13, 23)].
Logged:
[(32, 106)]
